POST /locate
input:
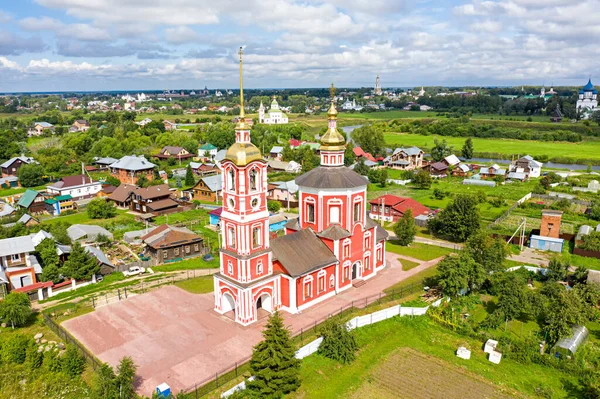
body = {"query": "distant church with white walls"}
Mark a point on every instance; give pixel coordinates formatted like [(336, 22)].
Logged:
[(275, 116), (588, 100)]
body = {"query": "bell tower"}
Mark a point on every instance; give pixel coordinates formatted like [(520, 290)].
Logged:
[(245, 254)]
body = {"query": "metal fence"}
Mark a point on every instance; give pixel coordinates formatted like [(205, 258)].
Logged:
[(69, 340), (307, 332), (147, 283)]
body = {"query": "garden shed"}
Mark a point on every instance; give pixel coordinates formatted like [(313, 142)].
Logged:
[(568, 346)]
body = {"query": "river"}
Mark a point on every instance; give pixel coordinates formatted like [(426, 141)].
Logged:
[(553, 165)]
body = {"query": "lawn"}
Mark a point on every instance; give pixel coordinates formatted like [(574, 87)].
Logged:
[(575, 151), (422, 278), (407, 264), (18, 190), (418, 250), (199, 215), (188, 264), (376, 368), (198, 285)]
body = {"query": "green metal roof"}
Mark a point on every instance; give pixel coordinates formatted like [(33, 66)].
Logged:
[(50, 201), (63, 197), (27, 199), (208, 146)]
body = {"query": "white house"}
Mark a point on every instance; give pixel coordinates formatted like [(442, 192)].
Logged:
[(527, 165), (79, 186), (207, 150), (275, 116)]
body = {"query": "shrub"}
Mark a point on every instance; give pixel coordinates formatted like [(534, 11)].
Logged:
[(14, 348), (273, 206), (338, 343), (100, 208), (72, 363)]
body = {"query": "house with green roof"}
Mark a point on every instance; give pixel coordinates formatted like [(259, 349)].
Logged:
[(61, 203), (32, 201), (207, 150)]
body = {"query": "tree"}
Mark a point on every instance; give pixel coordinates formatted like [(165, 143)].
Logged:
[(459, 220), (273, 206), (440, 150), (105, 383), (80, 265), (511, 295), (595, 208), (273, 364), (370, 138), (113, 181), (100, 208), (557, 269), (189, 176), (467, 150), (31, 175), (143, 181), (361, 168), (564, 311), (126, 378), (489, 252), (422, 180), (349, 156), (15, 308), (405, 229), (50, 260), (338, 343), (458, 272)]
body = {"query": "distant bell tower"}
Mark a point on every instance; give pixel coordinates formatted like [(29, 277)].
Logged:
[(377, 86)]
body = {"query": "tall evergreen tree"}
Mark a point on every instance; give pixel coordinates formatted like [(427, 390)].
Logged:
[(273, 364), (467, 150), (80, 265), (105, 383), (126, 378), (405, 229), (189, 176)]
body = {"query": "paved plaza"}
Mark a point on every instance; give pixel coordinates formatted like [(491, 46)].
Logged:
[(176, 337)]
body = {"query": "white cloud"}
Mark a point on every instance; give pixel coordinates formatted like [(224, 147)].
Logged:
[(180, 34), (4, 17), (76, 31), (486, 26)]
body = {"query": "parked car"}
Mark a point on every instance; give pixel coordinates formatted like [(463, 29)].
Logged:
[(134, 271), (208, 258)]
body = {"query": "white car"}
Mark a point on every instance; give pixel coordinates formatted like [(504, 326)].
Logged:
[(134, 271)]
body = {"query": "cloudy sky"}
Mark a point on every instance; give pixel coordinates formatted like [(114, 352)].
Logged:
[(54, 45)]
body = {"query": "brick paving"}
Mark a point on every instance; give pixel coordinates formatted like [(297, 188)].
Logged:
[(176, 337)]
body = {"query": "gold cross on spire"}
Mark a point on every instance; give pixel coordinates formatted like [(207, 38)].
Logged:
[(332, 91), (242, 113)]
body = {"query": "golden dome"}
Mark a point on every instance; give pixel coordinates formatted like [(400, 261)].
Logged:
[(242, 154), (332, 140)]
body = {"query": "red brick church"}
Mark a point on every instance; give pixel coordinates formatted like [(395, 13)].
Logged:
[(329, 247)]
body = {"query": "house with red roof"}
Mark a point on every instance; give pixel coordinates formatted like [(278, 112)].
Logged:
[(359, 152), (391, 208)]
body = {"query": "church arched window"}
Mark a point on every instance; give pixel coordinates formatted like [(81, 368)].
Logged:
[(253, 179), (231, 179)]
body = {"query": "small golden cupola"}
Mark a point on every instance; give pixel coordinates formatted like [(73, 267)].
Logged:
[(242, 152), (333, 143)]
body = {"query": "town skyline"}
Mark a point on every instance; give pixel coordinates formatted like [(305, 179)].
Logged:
[(63, 45)]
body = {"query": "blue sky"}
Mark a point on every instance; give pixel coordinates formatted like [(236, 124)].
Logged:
[(55, 45)]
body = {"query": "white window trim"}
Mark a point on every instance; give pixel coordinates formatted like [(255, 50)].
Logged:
[(230, 267), (259, 267), (307, 280), (307, 202)]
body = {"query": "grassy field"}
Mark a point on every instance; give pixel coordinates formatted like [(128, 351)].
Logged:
[(18, 190), (507, 147), (417, 250), (188, 264), (379, 366), (198, 285), (509, 192), (424, 277)]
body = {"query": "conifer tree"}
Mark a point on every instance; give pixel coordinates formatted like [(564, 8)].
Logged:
[(467, 150), (273, 364), (189, 176)]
